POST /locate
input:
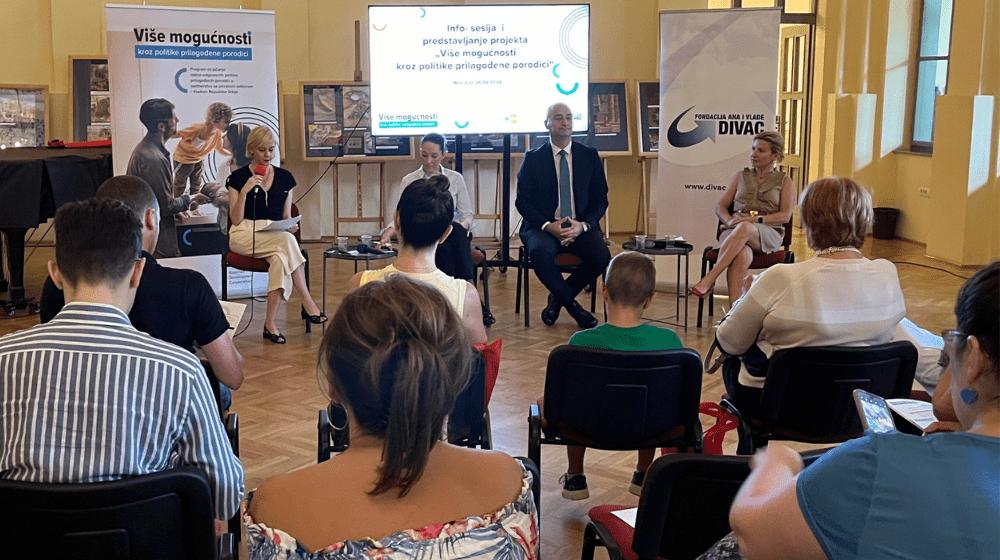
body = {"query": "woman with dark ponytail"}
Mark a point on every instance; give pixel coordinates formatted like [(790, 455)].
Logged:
[(396, 356)]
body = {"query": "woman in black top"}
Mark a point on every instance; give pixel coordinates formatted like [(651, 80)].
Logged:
[(259, 194)]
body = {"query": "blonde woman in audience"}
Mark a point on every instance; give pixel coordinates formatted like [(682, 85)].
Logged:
[(396, 357), (837, 298), (892, 495)]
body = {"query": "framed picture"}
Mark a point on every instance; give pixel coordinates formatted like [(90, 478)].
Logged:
[(336, 122), (24, 112), (90, 106), (608, 130), (648, 107)]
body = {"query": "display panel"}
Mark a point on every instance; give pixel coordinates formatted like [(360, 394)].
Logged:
[(608, 133), (91, 107), (649, 117), (488, 69), (337, 123)]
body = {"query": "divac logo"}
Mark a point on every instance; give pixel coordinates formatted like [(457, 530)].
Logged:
[(708, 125)]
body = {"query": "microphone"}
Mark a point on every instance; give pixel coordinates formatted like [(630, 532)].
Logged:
[(260, 170), (365, 248)]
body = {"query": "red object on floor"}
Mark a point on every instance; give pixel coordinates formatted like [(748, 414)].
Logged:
[(491, 353)]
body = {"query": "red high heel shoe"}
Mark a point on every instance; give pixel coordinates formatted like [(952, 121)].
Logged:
[(702, 295)]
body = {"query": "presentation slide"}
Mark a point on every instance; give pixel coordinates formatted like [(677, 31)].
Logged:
[(477, 69)]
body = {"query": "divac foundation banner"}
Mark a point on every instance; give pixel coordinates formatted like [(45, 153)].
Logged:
[(718, 88), (218, 69)]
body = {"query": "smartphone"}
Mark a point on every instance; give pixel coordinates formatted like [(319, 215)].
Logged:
[(874, 412)]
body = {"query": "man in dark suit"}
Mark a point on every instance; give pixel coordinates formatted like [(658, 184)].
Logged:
[(550, 174)]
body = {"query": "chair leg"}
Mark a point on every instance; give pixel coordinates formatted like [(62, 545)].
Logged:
[(593, 296), (225, 279), (591, 540), (517, 298), (527, 297), (745, 445)]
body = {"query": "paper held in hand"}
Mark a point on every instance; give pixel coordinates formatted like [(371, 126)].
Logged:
[(234, 313), (282, 225)]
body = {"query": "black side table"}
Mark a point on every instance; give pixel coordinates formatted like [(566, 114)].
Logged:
[(679, 249)]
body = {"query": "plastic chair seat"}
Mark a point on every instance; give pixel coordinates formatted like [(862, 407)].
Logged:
[(244, 262), (616, 529)]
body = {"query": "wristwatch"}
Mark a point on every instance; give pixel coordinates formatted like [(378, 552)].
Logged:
[(586, 227), (760, 219)]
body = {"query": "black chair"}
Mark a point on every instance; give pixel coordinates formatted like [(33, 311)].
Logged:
[(683, 509), (565, 261), (808, 392), (165, 515), (613, 400), (468, 423), (760, 260), (479, 261)]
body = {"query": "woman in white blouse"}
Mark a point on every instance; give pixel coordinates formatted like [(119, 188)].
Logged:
[(838, 298)]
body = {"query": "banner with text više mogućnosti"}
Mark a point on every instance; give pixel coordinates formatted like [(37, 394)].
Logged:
[(718, 88), (196, 59)]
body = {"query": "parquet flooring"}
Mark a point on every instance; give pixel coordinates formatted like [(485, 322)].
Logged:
[(279, 400)]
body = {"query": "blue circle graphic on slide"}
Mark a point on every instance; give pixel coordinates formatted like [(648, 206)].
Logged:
[(580, 14), (554, 68)]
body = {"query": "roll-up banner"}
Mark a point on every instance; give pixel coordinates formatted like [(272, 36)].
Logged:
[(218, 68), (718, 88)]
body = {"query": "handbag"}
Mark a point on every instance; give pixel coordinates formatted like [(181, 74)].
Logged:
[(754, 359)]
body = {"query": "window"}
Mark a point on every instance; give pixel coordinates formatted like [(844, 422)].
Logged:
[(932, 69)]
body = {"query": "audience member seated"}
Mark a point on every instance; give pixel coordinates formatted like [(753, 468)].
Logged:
[(761, 199), (175, 305), (454, 254), (255, 201), (629, 288), (892, 495), (838, 298), (423, 220), (396, 357), (87, 397)]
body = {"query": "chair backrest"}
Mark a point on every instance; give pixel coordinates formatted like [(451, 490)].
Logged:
[(809, 391), (622, 400), (685, 501), (166, 515), (465, 423)]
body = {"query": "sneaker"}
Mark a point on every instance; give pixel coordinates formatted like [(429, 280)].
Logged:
[(638, 477), (574, 487)]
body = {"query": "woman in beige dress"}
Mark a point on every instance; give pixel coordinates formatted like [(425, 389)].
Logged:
[(761, 199)]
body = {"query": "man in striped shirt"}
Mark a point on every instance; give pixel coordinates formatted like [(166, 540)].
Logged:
[(87, 397)]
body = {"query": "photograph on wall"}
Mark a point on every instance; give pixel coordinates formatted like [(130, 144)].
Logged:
[(607, 131), (607, 119), (337, 122), (99, 77), (22, 117), (100, 107), (98, 132), (210, 76)]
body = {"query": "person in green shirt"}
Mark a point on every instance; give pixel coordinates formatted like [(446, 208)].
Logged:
[(629, 288)]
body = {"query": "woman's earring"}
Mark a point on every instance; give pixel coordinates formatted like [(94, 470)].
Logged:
[(969, 396)]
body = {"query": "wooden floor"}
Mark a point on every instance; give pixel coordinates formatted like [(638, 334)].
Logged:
[(280, 398)]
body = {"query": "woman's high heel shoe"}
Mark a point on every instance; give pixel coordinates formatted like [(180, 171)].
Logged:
[(314, 319), (704, 294), (276, 338)]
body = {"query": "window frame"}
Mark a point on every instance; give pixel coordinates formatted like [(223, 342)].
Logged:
[(920, 146)]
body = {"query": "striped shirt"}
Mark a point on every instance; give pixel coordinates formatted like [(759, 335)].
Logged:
[(88, 398)]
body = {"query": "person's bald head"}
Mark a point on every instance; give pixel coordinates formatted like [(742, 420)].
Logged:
[(559, 122)]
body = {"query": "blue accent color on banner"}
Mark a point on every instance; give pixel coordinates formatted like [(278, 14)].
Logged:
[(177, 80), (193, 53)]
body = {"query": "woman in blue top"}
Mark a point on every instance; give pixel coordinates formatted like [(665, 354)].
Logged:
[(255, 200), (893, 495)]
